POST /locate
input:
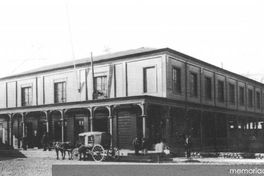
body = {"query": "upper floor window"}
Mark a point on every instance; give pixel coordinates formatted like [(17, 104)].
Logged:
[(258, 100), (149, 79), (231, 93), (208, 88), (176, 80), (241, 96), (60, 92), (220, 91), (100, 86), (193, 84), (250, 98), (26, 96)]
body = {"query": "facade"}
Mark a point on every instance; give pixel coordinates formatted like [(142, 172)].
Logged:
[(158, 94)]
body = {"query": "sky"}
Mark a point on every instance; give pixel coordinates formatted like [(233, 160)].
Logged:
[(225, 33)]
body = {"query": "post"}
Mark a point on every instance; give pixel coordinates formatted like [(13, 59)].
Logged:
[(47, 121), (110, 117), (10, 130), (201, 130), (23, 125), (91, 118), (143, 107), (144, 125), (62, 125)]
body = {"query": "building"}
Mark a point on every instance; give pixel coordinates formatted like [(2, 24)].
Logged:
[(152, 93)]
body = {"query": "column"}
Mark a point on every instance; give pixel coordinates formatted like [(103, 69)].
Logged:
[(62, 125), (91, 117), (23, 125), (201, 130), (10, 130), (47, 121), (144, 116), (144, 126), (168, 124), (110, 117)]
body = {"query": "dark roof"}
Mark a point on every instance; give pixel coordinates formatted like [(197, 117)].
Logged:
[(120, 55)]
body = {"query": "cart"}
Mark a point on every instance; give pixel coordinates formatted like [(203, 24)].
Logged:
[(97, 144)]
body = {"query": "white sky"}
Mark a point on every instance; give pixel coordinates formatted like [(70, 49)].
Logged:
[(34, 33)]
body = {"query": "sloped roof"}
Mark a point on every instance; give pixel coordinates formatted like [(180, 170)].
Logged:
[(120, 55), (85, 60)]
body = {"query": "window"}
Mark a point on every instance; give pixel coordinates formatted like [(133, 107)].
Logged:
[(208, 88), (193, 85), (60, 92), (149, 79), (100, 86), (258, 100), (176, 80), (231, 93), (241, 96), (250, 98), (26, 93), (220, 91)]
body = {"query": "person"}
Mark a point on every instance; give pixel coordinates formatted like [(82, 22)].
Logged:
[(159, 148), (45, 141), (144, 145), (136, 144), (188, 144), (24, 143)]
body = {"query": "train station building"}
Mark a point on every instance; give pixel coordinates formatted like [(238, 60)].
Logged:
[(158, 94)]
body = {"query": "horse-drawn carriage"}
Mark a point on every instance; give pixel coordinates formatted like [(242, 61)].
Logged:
[(96, 144)]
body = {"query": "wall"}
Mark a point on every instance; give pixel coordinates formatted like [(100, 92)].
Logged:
[(216, 74), (124, 78)]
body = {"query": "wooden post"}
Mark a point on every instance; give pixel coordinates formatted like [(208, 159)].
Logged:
[(201, 130), (62, 125), (23, 124), (144, 125), (144, 116), (47, 121), (91, 118)]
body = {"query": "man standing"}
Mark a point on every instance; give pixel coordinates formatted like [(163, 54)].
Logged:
[(45, 141), (137, 145), (188, 145)]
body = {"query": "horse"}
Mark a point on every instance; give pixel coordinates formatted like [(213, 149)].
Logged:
[(64, 147)]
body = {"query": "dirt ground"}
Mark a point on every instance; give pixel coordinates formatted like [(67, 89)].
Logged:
[(29, 166), (42, 166)]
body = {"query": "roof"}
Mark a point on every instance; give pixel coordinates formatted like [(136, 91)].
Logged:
[(84, 61), (121, 55)]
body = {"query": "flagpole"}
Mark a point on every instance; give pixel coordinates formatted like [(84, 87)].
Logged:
[(92, 67)]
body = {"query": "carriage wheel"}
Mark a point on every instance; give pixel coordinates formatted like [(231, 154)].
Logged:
[(75, 154), (98, 153)]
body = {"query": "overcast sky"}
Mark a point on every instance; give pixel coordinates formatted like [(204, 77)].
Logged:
[(34, 33)]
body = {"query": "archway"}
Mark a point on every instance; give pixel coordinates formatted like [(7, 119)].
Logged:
[(100, 121), (17, 130), (77, 122), (4, 138), (56, 126), (35, 127)]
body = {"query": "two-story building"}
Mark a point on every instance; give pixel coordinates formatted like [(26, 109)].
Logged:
[(151, 93)]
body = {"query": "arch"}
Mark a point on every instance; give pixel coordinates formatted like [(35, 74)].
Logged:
[(4, 128), (35, 127), (17, 129), (77, 122), (56, 125), (100, 119)]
